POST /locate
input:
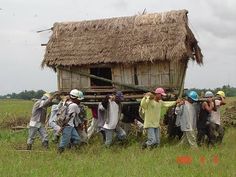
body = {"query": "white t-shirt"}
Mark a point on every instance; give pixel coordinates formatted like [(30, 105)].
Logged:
[(215, 115), (113, 116), (187, 116), (73, 109)]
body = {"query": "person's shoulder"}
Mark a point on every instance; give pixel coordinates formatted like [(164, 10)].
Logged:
[(217, 102), (38, 103), (72, 105)]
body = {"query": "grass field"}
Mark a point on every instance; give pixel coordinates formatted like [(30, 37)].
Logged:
[(14, 112), (95, 160)]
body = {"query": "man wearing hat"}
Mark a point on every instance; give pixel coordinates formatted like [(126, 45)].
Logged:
[(187, 113), (151, 105), (38, 119), (215, 121), (69, 134)]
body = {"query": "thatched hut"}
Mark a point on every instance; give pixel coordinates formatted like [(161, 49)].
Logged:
[(139, 52)]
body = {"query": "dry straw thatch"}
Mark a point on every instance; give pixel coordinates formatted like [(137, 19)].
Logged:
[(139, 38)]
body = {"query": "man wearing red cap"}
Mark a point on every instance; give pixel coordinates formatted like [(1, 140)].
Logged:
[(151, 105)]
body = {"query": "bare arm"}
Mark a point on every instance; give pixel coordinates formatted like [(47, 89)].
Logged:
[(146, 100), (208, 107)]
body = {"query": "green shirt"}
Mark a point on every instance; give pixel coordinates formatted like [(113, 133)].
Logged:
[(152, 110)]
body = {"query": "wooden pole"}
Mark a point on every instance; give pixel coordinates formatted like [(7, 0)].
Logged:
[(122, 103), (49, 29), (103, 96), (181, 88)]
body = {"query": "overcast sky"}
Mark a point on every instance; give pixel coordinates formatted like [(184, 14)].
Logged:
[(212, 21)]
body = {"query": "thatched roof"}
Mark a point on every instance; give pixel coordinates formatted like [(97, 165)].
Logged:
[(148, 37)]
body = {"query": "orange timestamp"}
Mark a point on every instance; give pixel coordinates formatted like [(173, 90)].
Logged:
[(187, 160)]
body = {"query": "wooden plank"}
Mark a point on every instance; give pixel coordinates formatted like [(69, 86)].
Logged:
[(75, 80), (65, 74), (103, 96), (154, 75), (59, 80), (84, 81), (93, 103), (116, 73), (65, 84), (140, 88), (91, 90), (163, 68), (165, 80), (172, 74), (128, 74), (143, 74)]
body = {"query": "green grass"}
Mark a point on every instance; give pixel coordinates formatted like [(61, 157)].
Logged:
[(14, 112), (95, 160)]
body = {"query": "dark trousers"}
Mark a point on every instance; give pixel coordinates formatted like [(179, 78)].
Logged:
[(202, 132), (216, 133)]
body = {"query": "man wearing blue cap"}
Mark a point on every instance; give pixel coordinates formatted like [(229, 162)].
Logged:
[(187, 115)]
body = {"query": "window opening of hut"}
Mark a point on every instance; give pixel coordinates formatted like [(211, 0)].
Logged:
[(100, 72)]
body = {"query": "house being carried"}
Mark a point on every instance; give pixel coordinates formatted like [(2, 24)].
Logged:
[(132, 54)]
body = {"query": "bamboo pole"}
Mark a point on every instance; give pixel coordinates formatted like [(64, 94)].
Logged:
[(49, 29), (103, 96), (94, 103), (181, 88)]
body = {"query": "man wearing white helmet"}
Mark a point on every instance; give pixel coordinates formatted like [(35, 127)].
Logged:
[(38, 119), (69, 133)]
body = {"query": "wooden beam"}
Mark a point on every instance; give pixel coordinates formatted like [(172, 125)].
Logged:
[(122, 103), (103, 96), (49, 29)]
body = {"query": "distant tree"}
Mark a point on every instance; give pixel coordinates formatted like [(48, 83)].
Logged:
[(229, 91), (25, 95)]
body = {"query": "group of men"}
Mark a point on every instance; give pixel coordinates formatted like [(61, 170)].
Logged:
[(72, 130), (200, 118)]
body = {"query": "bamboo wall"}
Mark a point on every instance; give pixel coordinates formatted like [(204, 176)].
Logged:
[(150, 75)]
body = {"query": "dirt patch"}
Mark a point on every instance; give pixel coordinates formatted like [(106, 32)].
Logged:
[(229, 115), (14, 122)]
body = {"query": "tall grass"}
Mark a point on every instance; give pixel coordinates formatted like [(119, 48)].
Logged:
[(95, 160), (130, 160), (14, 112)]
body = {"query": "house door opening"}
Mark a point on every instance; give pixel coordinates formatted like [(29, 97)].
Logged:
[(100, 72)]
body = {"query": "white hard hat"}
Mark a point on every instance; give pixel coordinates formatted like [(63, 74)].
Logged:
[(76, 94), (209, 94)]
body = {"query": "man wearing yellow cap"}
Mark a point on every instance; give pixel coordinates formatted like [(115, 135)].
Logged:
[(215, 125)]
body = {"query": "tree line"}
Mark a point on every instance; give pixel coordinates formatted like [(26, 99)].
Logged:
[(229, 91), (25, 95), (31, 94)]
